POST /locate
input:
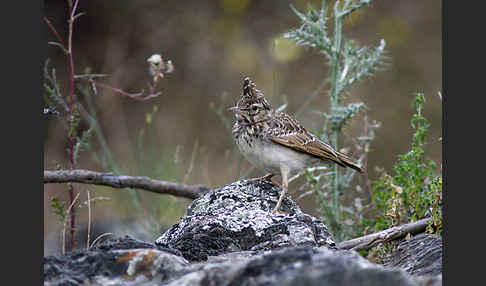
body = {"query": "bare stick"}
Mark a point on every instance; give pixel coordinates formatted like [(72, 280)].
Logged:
[(397, 232), (108, 179), (136, 96), (63, 235), (89, 220), (55, 32), (72, 139), (99, 237)]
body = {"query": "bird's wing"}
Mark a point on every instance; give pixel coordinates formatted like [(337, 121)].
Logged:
[(292, 134), (309, 145)]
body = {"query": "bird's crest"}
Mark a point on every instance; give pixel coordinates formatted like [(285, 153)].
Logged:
[(252, 94)]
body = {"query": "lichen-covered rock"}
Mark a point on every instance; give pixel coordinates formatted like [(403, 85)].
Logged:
[(124, 261), (238, 217), (146, 264), (300, 265), (420, 255), (230, 237)]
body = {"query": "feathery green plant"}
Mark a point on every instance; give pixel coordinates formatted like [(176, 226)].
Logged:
[(348, 63), (415, 189)]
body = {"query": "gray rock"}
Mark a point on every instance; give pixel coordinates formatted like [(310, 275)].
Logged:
[(123, 261), (146, 264), (301, 265), (230, 237), (238, 217), (420, 255)]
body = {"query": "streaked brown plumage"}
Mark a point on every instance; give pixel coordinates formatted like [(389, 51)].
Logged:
[(275, 142)]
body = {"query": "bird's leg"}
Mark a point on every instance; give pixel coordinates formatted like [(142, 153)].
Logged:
[(285, 182), (276, 183), (269, 178)]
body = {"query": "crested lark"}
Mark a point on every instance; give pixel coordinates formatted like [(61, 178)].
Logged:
[(275, 142)]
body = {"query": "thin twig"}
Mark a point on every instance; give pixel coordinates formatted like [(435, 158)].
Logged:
[(72, 138), (136, 96), (78, 15), (71, 95), (89, 76), (58, 45), (305, 194), (191, 163), (108, 179), (64, 225), (73, 10), (99, 237), (55, 32), (89, 219), (397, 232), (364, 162), (312, 169)]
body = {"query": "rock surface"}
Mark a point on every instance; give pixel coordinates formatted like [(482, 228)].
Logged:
[(230, 237), (238, 217), (124, 261), (420, 255)]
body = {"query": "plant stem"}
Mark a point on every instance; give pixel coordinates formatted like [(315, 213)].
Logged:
[(335, 56), (54, 31), (72, 138), (335, 99)]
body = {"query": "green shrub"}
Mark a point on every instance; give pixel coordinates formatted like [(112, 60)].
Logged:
[(415, 189)]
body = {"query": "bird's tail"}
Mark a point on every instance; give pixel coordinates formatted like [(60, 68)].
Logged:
[(349, 163)]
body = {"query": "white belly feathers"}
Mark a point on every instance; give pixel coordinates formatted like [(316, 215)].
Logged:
[(270, 157)]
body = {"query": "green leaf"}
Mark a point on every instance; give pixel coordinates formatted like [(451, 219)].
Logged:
[(58, 208)]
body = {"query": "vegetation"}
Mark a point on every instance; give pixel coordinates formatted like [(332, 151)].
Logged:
[(78, 113), (414, 191), (348, 63)]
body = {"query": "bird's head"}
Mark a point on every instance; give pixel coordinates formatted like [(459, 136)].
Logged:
[(252, 106)]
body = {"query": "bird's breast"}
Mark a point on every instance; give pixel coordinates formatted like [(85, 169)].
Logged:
[(270, 156)]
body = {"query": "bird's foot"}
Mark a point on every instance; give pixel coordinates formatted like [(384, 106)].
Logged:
[(277, 211), (267, 178), (279, 203)]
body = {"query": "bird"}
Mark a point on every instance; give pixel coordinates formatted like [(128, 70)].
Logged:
[(275, 142)]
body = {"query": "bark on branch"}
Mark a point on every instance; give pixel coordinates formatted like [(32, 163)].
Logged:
[(397, 232), (108, 179)]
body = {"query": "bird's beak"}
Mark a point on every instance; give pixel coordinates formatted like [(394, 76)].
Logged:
[(234, 109)]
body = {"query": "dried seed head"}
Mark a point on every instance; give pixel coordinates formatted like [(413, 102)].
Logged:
[(155, 59)]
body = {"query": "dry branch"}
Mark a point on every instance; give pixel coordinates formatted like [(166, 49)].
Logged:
[(397, 232), (108, 179)]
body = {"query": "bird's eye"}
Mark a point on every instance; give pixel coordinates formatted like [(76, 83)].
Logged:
[(255, 108)]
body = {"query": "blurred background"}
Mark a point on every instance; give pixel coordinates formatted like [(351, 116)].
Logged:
[(184, 134)]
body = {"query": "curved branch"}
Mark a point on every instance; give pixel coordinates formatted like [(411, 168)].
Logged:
[(108, 179), (397, 232)]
